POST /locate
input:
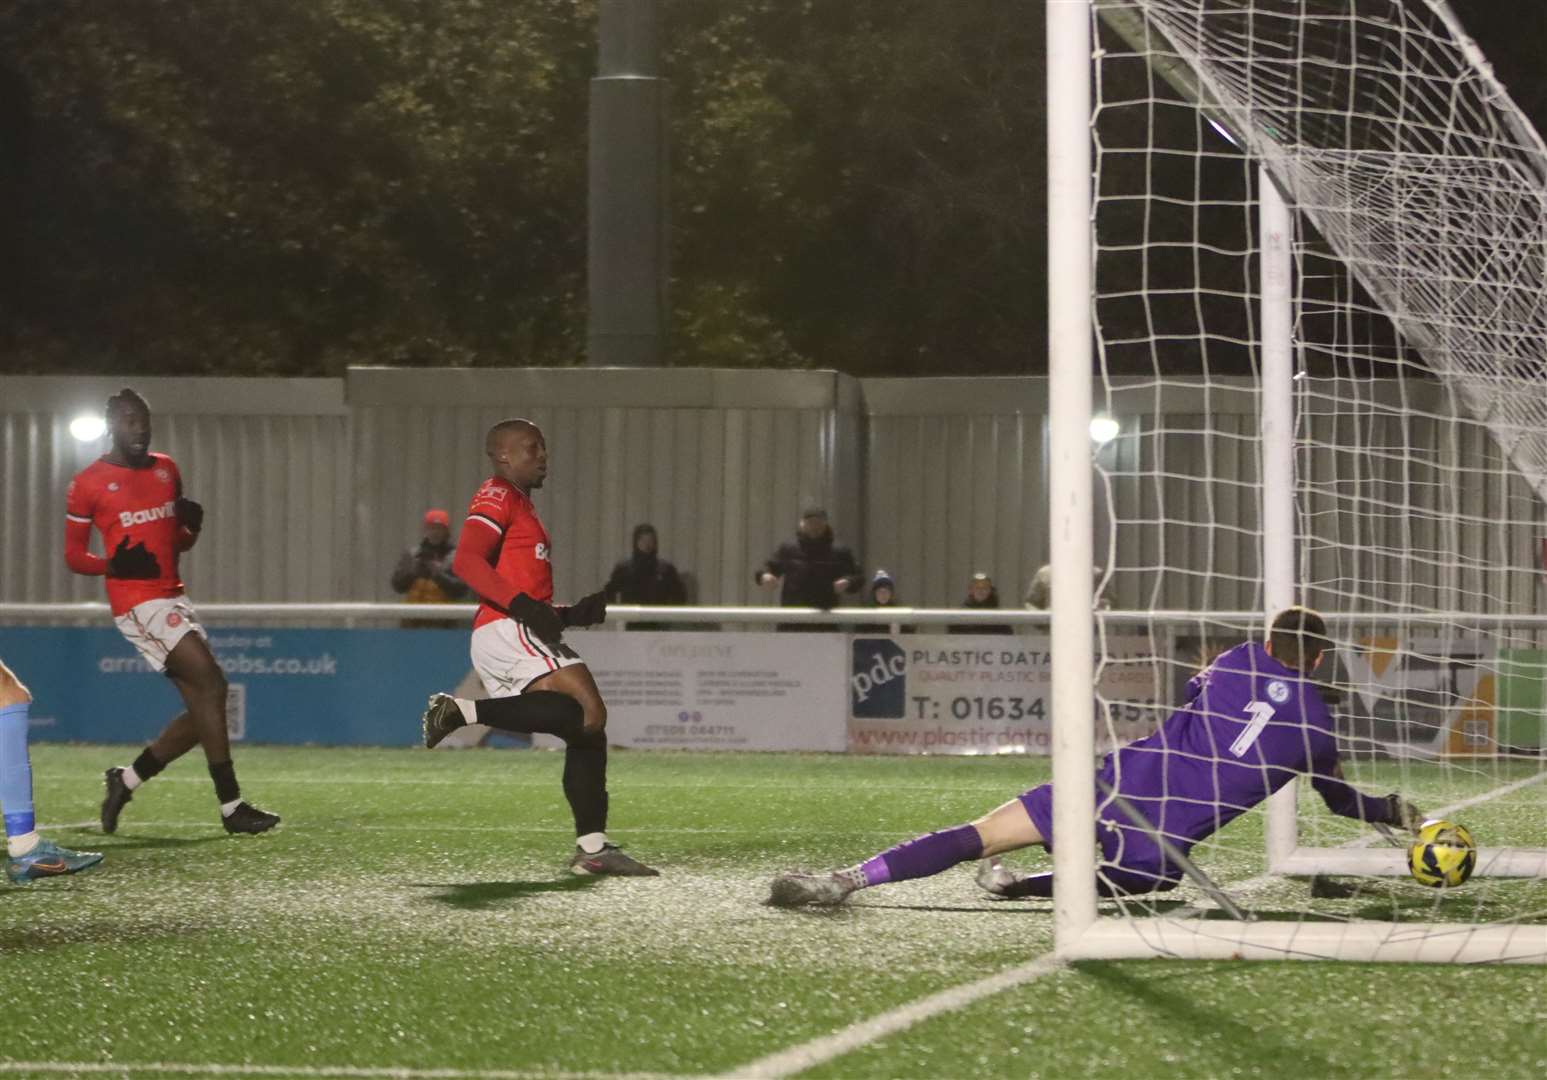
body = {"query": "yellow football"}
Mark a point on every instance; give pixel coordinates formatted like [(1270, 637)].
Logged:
[(1443, 856)]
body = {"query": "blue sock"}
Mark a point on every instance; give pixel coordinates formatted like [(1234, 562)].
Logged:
[(15, 772)]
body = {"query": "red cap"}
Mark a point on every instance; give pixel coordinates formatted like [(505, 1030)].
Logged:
[(437, 517)]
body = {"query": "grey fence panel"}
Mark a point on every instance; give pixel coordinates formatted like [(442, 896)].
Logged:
[(266, 457), (314, 487), (953, 495), (720, 462)]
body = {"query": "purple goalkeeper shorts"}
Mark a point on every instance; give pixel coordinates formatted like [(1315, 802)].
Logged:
[(1125, 847)]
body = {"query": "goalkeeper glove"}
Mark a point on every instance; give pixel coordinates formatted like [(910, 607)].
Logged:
[(587, 611), (1403, 814), (133, 563), (540, 617), (189, 514)]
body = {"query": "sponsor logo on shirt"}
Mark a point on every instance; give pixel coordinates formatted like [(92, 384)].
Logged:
[(163, 475), (1278, 692), (542, 552), (127, 518)]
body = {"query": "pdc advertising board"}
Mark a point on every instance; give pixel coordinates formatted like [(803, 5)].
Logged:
[(985, 694)]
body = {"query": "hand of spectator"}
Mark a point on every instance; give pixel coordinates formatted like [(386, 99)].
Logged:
[(767, 580), (841, 585)]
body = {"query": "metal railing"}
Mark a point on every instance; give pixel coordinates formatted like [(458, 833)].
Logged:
[(622, 614)]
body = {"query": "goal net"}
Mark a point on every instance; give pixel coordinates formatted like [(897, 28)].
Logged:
[(1318, 297)]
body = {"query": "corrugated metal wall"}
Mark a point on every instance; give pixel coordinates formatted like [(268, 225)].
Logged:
[(720, 462), (268, 458), (1403, 504), (957, 484), (314, 487), (1405, 507)]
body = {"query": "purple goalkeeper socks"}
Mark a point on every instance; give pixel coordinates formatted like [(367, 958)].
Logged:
[(924, 855)]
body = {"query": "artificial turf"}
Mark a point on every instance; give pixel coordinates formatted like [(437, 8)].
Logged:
[(413, 913)]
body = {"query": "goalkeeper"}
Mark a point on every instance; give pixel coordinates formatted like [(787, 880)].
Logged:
[(1251, 723)]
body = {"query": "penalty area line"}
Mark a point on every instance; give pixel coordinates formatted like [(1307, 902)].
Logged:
[(342, 1072), (820, 1051)]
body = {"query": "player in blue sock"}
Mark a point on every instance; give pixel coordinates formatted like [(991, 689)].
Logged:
[(28, 855), (1252, 722)]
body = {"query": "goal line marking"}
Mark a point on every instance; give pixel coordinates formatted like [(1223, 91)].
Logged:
[(819, 1051)]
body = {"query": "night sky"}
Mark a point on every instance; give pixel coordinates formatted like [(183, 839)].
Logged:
[(1513, 34)]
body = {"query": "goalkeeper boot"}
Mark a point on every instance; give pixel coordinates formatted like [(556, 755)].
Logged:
[(118, 794), (994, 879), (247, 818), (798, 890), (610, 860), (440, 719), (48, 859)]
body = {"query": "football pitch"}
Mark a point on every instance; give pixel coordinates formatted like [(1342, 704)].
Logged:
[(412, 917)]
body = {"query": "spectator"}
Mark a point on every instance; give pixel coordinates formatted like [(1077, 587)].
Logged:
[(646, 578), (981, 594), (423, 574), (813, 571), (881, 594), (1039, 594)]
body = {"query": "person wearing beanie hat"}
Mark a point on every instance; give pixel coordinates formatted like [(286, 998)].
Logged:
[(883, 590), (813, 571), (423, 575), (881, 593), (644, 577), (981, 593)]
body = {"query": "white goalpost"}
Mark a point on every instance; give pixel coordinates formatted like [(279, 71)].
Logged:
[(1332, 212)]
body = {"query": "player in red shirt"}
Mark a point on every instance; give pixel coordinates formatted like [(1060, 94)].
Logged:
[(536, 683), (134, 498)]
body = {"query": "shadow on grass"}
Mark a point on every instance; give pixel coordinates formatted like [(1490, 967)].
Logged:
[(1259, 915), (990, 907), (478, 895), (1461, 910), (43, 937), (94, 840), (1170, 1004)]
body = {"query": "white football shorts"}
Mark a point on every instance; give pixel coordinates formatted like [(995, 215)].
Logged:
[(508, 656), (154, 627)]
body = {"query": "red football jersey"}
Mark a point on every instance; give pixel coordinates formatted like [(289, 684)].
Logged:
[(521, 549), (134, 505)]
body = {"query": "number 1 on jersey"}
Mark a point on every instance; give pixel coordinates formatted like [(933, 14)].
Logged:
[(1261, 712)]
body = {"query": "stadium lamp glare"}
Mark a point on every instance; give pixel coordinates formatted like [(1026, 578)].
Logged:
[(88, 428), (1103, 429)]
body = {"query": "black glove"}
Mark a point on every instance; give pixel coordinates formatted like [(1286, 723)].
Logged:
[(189, 514), (1403, 814), (134, 563), (587, 611), (543, 620)]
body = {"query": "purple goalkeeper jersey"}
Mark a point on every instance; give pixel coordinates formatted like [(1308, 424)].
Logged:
[(1249, 726)]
